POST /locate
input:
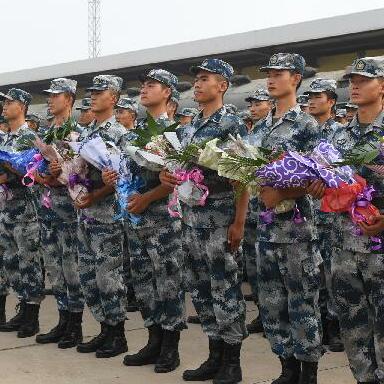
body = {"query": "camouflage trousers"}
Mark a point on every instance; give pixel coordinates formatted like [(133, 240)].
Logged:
[(328, 245), (289, 282), (100, 251), (357, 283), (58, 245), (127, 271), (157, 272), (4, 283), (214, 276), (21, 259), (249, 252)]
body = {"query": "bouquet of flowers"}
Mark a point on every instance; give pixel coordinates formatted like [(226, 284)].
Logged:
[(126, 186), (149, 146)]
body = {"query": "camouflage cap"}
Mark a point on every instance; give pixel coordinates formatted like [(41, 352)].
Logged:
[(128, 103), (104, 82), (322, 85), (33, 117), (215, 66), (62, 85), (245, 115), (258, 95), (302, 100), (349, 105), (49, 115), (231, 108), (341, 112), (286, 61), (85, 104), (162, 76), (15, 94), (175, 96), (189, 112), (368, 67)]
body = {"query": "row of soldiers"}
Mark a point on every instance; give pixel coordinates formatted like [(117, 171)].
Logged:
[(92, 259)]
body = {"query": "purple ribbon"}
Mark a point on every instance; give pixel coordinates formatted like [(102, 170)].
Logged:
[(379, 243), (362, 200), (268, 216), (297, 216), (75, 179)]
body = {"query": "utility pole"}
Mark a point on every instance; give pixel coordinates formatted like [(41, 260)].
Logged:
[(94, 27)]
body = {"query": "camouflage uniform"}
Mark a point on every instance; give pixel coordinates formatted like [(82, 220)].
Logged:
[(58, 233), (214, 274), (100, 238), (155, 248), (19, 227), (288, 256), (357, 272)]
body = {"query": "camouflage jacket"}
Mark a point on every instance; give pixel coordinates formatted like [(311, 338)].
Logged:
[(20, 208), (110, 131), (345, 139), (219, 209), (295, 131)]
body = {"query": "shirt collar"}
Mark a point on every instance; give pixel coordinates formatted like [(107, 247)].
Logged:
[(355, 127), (216, 117), (290, 115), (17, 132)]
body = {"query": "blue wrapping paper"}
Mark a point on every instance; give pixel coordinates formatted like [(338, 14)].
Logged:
[(20, 160)]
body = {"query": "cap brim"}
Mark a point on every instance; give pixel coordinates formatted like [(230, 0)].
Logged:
[(4, 96), (93, 88), (82, 108), (361, 73), (277, 67), (249, 99), (54, 91), (195, 69)]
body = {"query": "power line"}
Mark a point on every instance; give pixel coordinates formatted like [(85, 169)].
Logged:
[(94, 26)]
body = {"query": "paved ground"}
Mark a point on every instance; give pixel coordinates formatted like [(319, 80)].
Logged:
[(22, 361)]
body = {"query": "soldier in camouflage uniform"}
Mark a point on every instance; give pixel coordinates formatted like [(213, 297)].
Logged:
[(58, 230), (351, 109), (341, 116), (260, 105), (212, 235), (33, 121), (100, 238), (357, 271), (19, 228), (288, 256), (186, 115), (302, 101), (322, 100), (126, 112), (173, 105), (86, 115), (155, 246)]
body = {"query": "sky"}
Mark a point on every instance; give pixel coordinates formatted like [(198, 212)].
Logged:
[(45, 32)]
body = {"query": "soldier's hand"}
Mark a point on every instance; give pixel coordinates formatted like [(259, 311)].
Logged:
[(85, 201), (234, 236), (316, 189), (271, 197), (137, 204), (109, 177), (374, 229), (55, 168), (168, 179), (3, 178)]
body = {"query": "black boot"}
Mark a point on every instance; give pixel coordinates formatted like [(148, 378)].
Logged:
[(335, 343), (14, 324), (290, 371), (255, 326), (308, 373), (193, 320), (73, 334), (95, 343), (3, 300), (169, 358), (30, 326), (230, 370), (56, 333), (115, 344), (151, 352), (210, 367)]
